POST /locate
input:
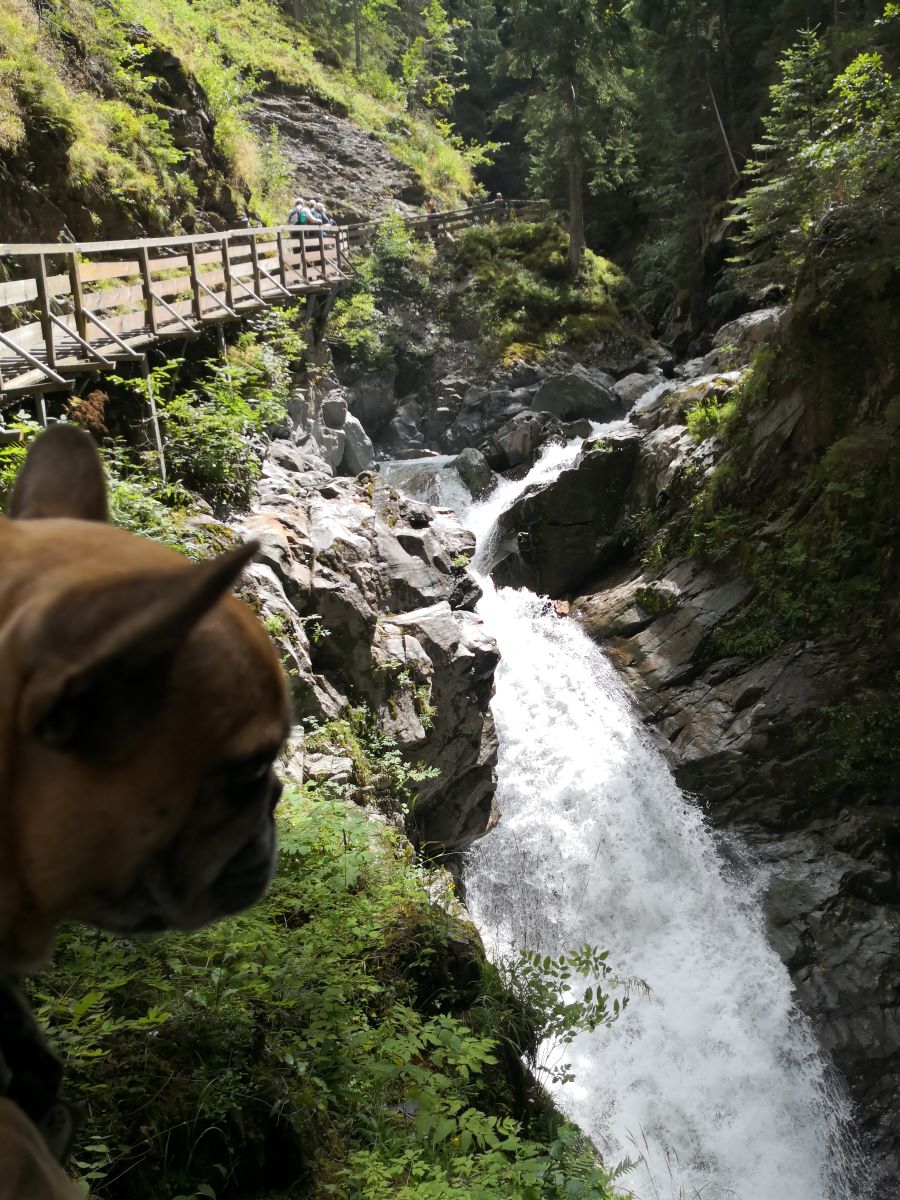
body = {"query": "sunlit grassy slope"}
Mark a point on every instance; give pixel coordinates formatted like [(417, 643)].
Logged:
[(78, 72)]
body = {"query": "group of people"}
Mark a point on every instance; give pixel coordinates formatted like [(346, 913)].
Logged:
[(313, 213)]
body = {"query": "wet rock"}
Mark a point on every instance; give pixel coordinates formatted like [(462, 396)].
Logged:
[(554, 539), (363, 594), (475, 472), (579, 393), (457, 806), (633, 387), (519, 439)]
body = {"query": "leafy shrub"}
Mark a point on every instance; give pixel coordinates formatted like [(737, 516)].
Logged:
[(284, 1049)]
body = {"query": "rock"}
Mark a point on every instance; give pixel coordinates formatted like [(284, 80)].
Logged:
[(751, 330), (519, 440), (579, 393), (333, 411), (330, 443), (332, 158), (554, 539), (453, 809), (633, 387), (735, 344), (473, 469), (359, 453), (403, 434), (371, 399)]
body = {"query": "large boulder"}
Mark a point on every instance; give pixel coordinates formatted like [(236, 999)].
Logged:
[(403, 437), (634, 386), (579, 393), (519, 439), (556, 538), (735, 343), (475, 472), (359, 453)]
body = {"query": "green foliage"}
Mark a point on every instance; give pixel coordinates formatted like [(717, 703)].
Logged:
[(12, 454), (378, 763), (825, 179), (656, 601), (396, 269), (284, 1050), (518, 299), (825, 552), (214, 432)]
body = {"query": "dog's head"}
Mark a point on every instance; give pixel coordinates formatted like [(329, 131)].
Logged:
[(141, 711)]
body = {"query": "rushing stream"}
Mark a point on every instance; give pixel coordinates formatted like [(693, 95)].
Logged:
[(712, 1082)]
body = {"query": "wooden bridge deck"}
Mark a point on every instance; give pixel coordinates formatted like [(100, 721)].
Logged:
[(86, 307)]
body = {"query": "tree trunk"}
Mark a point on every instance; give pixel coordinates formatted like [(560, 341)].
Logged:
[(298, 12), (576, 210), (357, 35), (576, 187)]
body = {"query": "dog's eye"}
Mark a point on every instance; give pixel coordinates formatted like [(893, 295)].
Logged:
[(251, 770)]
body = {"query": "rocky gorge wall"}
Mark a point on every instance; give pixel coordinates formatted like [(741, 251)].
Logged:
[(638, 543)]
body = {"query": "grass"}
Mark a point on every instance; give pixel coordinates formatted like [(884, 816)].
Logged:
[(79, 71)]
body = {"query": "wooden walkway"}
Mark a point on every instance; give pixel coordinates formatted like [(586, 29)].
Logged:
[(86, 307)]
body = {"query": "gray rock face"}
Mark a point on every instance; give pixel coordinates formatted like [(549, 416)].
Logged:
[(333, 160), (371, 399), (735, 344), (403, 436), (556, 538), (329, 443), (579, 393), (333, 412), (475, 472), (359, 453), (366, 602), (519, 439)]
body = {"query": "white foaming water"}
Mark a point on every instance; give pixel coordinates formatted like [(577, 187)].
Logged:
[(713, 1082)]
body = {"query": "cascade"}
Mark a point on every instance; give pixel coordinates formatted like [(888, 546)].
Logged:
[(711, 1081)]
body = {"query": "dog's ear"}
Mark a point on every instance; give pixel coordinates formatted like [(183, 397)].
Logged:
[(62, 477), (103, 656)]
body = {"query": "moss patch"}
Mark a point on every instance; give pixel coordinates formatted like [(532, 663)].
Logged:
[(516, 297)]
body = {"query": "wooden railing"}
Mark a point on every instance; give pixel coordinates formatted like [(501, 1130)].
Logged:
[(85, 307)]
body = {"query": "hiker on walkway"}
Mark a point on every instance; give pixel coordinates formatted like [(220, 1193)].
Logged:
[(321, 214), (502, 206)]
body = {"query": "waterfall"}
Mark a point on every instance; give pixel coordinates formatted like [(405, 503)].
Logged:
[(712, 1082)]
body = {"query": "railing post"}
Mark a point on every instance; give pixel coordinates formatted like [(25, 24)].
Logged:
[(81, 324), (147, 284), (282, 268), (322, 260), (254, 258), (43, 296), (195, 281), (304, 265), (226, 263)]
